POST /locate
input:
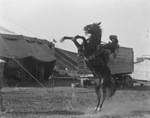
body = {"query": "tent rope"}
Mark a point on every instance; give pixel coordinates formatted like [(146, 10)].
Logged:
[(29, 73), (65, 60), (60, 56)]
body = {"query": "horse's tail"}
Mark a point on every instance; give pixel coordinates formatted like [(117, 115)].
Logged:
[(65, 37), (111, 88)]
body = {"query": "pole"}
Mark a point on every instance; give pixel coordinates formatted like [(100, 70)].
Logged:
[(1, 80), (1, 102)]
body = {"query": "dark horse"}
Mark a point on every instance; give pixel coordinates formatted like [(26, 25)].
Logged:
[(96, 60)]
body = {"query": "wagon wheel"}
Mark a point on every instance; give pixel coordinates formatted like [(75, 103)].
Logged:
[(128, 81)]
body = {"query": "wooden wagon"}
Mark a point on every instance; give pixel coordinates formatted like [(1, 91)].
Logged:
[(121, 68)]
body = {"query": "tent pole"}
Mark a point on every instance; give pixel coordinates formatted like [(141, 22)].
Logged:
[(1, 101), (37, 70), (44, 72), (2, 109)]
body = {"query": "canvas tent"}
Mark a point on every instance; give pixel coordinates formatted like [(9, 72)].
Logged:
[(19, 46), (142, 70), (35, 52)]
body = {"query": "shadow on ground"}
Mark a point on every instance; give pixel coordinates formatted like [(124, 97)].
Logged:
[(56, 112), (140, 112), (137, 88)]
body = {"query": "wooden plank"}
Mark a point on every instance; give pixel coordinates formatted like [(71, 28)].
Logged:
[(124, 62)]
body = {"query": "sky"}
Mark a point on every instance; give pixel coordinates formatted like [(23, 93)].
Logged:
[(53, 19)]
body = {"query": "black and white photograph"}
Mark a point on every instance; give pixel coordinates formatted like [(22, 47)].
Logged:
[(74, 59)]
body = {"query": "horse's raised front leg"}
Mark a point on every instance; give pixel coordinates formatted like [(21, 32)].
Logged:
[(66, 37), (74, 39)]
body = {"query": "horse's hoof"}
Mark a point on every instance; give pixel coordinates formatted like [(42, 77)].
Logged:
[(95, 109), (98, 109)]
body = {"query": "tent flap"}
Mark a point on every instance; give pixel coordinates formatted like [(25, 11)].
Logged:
[(16, 46)]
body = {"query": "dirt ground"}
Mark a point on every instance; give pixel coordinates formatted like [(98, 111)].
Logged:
[(67, 102)]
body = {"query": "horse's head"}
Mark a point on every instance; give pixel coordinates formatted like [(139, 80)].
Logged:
[(93, 28)]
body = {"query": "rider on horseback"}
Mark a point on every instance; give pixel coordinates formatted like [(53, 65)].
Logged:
[(111, 46)]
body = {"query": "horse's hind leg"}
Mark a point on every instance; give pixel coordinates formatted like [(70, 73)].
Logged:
[(97, 90), (103, 96)]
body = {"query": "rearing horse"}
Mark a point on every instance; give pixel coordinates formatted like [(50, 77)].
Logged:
[(96, 62)]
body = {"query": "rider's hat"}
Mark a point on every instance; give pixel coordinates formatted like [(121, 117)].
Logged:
[(113, 37)]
